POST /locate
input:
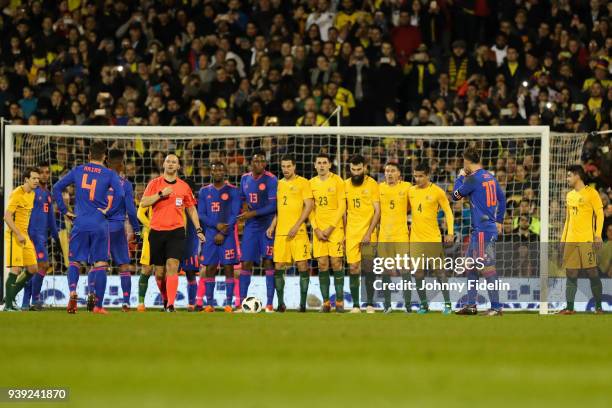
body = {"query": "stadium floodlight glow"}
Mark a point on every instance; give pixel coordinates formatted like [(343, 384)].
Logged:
[(549, 153)]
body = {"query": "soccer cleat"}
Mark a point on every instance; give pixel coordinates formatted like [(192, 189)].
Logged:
[(387, 310), (91, 302), (326, 307), (339, 307), (598, 311), (72, 304), (191, 308), (170, 309), (209, 309), (302, 309), (493, 312), (281, 308), (228, 309), (423, 310), (370, 309), (408, 309), (269, 309), (447, 310), (467, 310), (125, 308), (198, 308), (355, 309), (140, 307), (566, 312), (36, 307), (100, 310)]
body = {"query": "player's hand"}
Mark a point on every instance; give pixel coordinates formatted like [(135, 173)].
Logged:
[(366, 238), (103, 211), (219, 238), (21, 239), (449, 239), (597, 243), (201, 236), (462, 172), (222, 228), (71, 216), (270, 232), (247, 215), (328, 231), (293, 231), (320, 235), (500, 228), (166, 192), (138, 237)]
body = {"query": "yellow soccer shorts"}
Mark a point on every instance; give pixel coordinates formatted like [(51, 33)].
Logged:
[(145, 255), (354, 249), (432, 253), (579, 255), (18, 255), (334, 247), (291, 250)]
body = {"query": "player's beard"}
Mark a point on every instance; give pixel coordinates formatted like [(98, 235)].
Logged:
[(357, 180)]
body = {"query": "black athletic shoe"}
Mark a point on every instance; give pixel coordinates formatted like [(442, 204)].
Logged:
[(281, 308), (302, 309), (170, 309), (468, 310), (36, 307), (91, 302)]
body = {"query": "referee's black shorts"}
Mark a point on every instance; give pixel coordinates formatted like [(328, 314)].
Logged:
[(164, 245)]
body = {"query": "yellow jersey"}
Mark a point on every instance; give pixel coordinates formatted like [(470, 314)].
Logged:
[(394, 207), (329, 202), (360, 204), (425, 203), (21, 205), (290, 202), (581, 207)]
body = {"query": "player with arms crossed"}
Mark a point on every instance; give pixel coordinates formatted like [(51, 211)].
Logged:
[(170, 197), (581, 236), (42, 222), (291, 243), (258, 193), (144, 216), (218, 209), (21, 253), (426, 200), (89, 238), (488, 207), (327, 221), (362, 217), (393, 234)]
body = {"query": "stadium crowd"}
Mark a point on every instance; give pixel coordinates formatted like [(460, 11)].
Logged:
[(273, 62)]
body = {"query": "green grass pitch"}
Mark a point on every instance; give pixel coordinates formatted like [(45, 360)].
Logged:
[(294, 360)]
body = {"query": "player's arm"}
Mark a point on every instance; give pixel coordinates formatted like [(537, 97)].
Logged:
[(501, 207), (130, 207), (306, 210), (272, 227), (142, 216), (599, 215), (9, 219), (203, 214), (566, 225), (269, 208), (341, 205), (58, 188), (373, 223), (463, 186), (52, 224), (234, 211), (150, 197), (448, 216)]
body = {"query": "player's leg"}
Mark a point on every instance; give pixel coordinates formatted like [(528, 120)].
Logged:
[(211, 271), (228, 270), (419, 279), (229, 258), (143, 284), (337, 267), (282, 258), (121, 256), (78, 247), (490, 272), (443, 280), (199, 306), (469, 308), (38, 278), (320, 253), (267, 252), (300, 254), (251, 253), (27, 295), (158, 241), (99, 256), (596, 288), (192, 288)]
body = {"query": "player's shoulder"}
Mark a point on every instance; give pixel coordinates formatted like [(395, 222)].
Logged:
[(231, 186), (269, 175), (406, 184), (16, 193)]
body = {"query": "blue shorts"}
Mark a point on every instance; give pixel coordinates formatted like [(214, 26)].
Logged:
[(119, 251), (482, 245), (191, 260), (89, 246), (39, 239), (256, 245), (224, 254)]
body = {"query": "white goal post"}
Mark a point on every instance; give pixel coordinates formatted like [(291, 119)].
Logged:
[(556, 152)]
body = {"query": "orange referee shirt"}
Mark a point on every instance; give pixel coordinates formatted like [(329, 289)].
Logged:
[(168, 212)]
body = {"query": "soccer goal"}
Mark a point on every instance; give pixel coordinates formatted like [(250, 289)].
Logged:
[(529, 162)]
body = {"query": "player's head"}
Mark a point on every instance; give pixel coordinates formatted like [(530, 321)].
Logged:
[(217, 172), (357, 168), (116, 160), (171, 165), (575, 175), (421, 174), (258, 162), (471, 160), (392, 172), (288, 166), (44, 170), (31, 177), (97, 151), (323, 164)]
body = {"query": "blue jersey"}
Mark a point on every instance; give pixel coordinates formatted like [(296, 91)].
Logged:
[(92, 183), (218, 206), (42, 219), (116, 220), (260, 195), (487, 200)]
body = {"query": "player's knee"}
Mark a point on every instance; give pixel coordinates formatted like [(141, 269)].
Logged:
[(172, 266), (592, 272), (302, 266), (354, 268), (336, 263), (323, 263)]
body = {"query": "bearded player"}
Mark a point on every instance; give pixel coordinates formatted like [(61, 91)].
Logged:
[(488, 207), (362, 217)]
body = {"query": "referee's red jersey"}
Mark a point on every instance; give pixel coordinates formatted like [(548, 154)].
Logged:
[(168, 212)]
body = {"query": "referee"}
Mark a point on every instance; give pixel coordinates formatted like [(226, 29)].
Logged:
[(169, 196)]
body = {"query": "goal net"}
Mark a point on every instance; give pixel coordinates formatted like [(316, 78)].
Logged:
[(529, 163)]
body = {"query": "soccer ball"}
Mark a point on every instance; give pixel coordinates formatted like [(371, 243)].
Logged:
[(251, 305)]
